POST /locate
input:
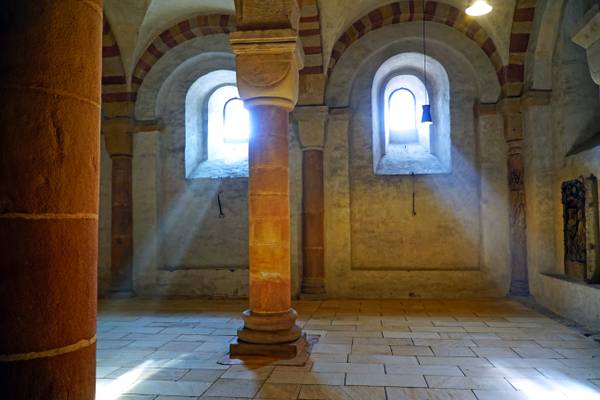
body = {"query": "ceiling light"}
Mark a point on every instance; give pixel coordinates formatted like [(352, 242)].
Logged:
[(478, 8)]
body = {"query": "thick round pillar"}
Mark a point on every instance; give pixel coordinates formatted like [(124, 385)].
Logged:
[(312, 223), (49, 145), (269, 213), (269, 324), (267, 75), (121, 226)]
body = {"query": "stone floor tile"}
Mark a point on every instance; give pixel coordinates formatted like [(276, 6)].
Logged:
[(371, 349), (383, 341), (578, 362), (428, 394), (153, 374), (348, 368), (456, 361), (569, 344), (423, 370), (414, 381), (411, 351), (570, 373), (307, 378), (175, 398), (505, 343), (278, 391), (497, 352), (538, 352), (525, 362), (382, 359), (189, 389), (331, 348), (576, 353), (501, 372), (329, 357), (248, 372), (323, 392), (182, 346), (445, 342), (471, 383), (411, 335), (103, 372), (234, 388), (203, 375), (503, 395), (453, 351)]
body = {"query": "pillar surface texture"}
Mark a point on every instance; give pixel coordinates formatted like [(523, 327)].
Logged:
[(118, 138), (121, 252), (312, 121), (268, 61), (49, 144), (513, 131)]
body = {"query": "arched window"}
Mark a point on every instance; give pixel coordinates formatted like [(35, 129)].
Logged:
[(228, 126), (236, 122), (405, 96), (402, 114), (402, 143), (217, 128)]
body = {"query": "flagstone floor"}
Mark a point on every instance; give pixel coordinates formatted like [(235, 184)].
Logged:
[(487, 349)]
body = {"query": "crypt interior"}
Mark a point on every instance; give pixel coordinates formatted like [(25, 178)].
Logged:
[(300, 199)]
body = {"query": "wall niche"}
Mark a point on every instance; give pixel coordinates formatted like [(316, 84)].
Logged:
[(580, 225)]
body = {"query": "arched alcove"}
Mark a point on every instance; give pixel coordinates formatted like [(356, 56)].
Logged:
[(430, 152)]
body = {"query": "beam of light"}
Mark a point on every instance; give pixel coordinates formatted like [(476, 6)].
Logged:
[(124, 383)]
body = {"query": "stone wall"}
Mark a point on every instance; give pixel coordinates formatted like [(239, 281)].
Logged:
[(456, 245), (553, 135)]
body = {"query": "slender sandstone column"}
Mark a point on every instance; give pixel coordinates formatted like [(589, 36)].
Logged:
[(49, 167), (267, 72), (312, 122), (513, 132), (118, 137)]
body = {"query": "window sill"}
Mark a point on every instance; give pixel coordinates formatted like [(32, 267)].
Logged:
[(568, 279), (220, 169)]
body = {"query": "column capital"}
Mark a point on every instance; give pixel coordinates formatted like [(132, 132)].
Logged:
[(311, 126), (267, 14), (588, 37), (533, 98), (268, 62), (118, 135)]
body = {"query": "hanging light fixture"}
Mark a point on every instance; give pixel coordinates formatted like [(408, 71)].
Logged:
[(426, 118), (479, 8)]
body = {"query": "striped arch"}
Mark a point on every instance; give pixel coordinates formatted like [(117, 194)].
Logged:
[(189, 29), (115, 94), (409, 11), (514, 72), (310, 33)]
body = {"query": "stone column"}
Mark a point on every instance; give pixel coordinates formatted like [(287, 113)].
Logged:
[(513, 132), (49, 182), (312, 122), (118, 136), (267, 73)]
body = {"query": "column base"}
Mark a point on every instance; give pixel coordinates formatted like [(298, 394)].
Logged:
[(269, 335), (519, 288), (278, 350), (313, 289)]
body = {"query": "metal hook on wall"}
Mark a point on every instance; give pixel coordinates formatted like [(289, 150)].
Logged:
[(221, 214)]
